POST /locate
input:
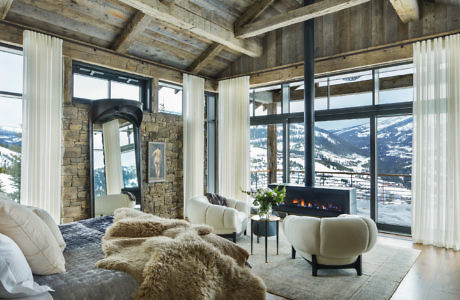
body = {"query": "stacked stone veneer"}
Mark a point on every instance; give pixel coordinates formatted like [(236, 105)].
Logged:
[(164, 198)]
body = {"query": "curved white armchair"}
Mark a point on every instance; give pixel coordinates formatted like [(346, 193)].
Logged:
[(227, 221), (331, 243), (106, 205)]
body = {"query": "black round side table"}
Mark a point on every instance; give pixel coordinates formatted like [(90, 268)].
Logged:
[(261, 226)]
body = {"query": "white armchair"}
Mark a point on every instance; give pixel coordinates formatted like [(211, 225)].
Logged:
[(106, 205), (331, 243), (226, 221)]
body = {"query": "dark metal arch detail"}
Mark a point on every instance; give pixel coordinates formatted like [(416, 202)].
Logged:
[(105, 110)]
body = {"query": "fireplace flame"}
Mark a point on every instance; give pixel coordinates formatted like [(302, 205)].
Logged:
[(295, 201), (302, 203)]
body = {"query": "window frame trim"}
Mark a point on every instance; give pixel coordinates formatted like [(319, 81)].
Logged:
[(144, 83)]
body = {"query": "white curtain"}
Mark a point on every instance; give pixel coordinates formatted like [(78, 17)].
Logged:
[(436, 143), (41, 123), (193, 114), (233, 133), (112, 157)]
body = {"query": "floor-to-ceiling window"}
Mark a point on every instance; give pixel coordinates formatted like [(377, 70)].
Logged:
[(10, 121), (363, 134)]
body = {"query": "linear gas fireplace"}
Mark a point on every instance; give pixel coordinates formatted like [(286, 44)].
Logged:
[(318, 201)]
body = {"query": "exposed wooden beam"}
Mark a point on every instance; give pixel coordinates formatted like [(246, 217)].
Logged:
[(212, 51), (135, 27), (449, 2), (4, 8), (196, 24), (252, 12), (295, 16), (407, 10), (12, 33), (205, 57)]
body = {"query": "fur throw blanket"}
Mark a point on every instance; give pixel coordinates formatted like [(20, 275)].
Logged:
[(173, 259)]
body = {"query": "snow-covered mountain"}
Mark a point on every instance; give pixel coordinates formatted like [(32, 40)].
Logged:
[(10, 136)]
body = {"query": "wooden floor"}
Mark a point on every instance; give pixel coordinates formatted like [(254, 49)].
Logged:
[(434, 275)]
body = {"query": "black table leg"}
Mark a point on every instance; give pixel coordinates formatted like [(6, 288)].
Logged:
[(251, 236), (277, 235), (266, 238)]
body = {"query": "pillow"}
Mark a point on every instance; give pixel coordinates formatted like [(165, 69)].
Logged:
[(49, 221), (33, 237), (16, 279), (216, 199)]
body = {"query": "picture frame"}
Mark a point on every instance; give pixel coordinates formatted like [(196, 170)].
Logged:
[(156, 162)]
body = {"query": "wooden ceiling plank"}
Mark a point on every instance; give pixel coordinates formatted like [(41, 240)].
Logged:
[(407, 10), (295, 16), (133, 29), (205, 57), (196, 24), (4, 8), (252, 13)]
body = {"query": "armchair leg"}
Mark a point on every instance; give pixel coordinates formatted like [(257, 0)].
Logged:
[(234, 237), (245, 231), (314, 266), (358, 266), (293, 253)]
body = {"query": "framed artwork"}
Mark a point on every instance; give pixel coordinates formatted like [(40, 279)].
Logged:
[(157, 162)]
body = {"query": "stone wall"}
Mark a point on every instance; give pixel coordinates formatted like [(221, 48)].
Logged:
[(163, 198), (75, 163)]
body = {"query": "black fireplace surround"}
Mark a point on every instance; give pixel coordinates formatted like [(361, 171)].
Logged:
[(317, 201)]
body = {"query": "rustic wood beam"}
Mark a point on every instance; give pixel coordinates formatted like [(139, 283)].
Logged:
[(407, 10), (4, 8), (196, 24), (212, 51), (448, 2), (134, 28), (208, 55), (12, 33), (252, 13), (295, 16)]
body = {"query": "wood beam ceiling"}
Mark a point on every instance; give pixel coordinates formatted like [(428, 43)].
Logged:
[(4, 8), (212, 51), (407, 10), (295, 16), (196, 24), (208, 55), (133, 29)]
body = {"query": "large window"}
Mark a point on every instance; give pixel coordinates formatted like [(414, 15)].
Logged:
[(10, 121), (169, 98), (363, 138), (93, 82)]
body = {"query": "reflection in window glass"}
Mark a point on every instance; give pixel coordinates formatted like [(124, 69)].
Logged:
[(267, 100), (351, 100), (128, 167), (10, 71), (396, 84), (128, 156), (100, 188), (86, 87), (170, 98), (124, 91)]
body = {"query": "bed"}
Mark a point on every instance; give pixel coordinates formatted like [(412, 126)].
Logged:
[(82, 280)]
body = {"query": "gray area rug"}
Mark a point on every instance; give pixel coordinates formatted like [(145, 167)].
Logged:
[(384, 267)]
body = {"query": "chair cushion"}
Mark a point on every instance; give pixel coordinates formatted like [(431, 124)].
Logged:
[(216, 199)]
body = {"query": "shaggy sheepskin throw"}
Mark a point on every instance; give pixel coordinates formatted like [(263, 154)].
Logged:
[(173, 259)]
